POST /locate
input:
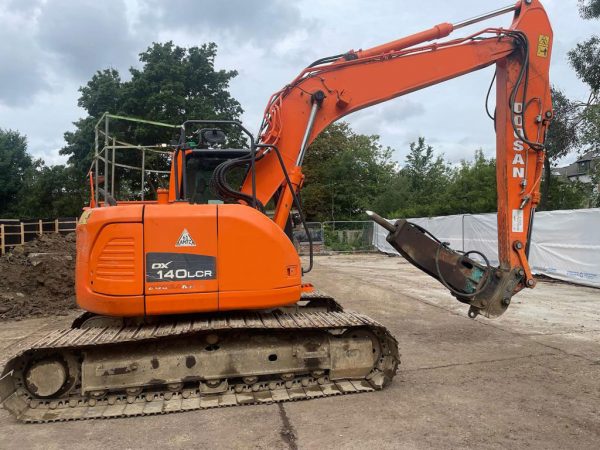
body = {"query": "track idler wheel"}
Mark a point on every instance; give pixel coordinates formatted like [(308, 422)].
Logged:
[(50, 377)]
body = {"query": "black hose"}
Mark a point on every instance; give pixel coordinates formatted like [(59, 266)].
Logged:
[(458, 293), (225, 191), (327, 59), (487, 99), (523, 78), (298, 204)]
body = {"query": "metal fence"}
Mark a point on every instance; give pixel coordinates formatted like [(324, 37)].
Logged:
[(338, 236), (14, 232)]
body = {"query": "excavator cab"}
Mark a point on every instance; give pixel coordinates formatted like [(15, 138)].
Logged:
[(205, 168), (202, 158)]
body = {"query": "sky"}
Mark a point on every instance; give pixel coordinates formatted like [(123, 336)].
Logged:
[(49, 48)]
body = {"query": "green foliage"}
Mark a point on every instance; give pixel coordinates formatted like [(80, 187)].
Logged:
[(345, 172), (565, 194), (29, 188), (585, 59), (15, 164), (51, 192), (595, 196), (173, 85), (335, 243), (426, 176), (589, 9), (590, 126), (562, 139), (472, 188), (562, 136)]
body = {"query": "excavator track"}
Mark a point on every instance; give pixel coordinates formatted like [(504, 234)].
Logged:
[(200, 362)]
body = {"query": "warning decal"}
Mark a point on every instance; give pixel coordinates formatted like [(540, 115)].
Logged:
[(543, 46), (517, 221), (185, 240)]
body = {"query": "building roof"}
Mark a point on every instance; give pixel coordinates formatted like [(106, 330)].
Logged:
[(574, 170)]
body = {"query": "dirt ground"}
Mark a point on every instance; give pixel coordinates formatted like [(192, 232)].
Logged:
[(38, 278), (529, 379)]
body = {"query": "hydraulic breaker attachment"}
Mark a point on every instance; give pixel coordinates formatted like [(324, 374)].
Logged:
[(486, 289)]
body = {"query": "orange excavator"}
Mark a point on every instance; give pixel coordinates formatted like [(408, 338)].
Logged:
[(196, 300)]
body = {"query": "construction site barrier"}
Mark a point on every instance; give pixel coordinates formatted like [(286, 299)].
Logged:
[(14, 232), (565, 245), (341, 236)]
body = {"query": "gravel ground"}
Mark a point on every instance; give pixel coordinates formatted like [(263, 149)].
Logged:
[(529, 379)]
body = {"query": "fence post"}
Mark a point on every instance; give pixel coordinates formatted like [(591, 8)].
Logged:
[(40, 227), (22, 233), (56, 228), (2, 246)]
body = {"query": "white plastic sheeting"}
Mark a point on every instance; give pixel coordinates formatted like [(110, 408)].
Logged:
[(565, 244)]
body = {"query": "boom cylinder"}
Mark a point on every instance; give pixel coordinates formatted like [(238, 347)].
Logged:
[(489, 15), (437, 32)]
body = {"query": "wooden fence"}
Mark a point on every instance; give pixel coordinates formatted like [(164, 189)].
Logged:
[(15, 232)]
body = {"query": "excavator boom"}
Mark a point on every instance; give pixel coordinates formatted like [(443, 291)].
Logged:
[(334, 87)]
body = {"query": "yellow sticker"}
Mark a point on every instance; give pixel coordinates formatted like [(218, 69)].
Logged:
[(543, 45), (84, 217)]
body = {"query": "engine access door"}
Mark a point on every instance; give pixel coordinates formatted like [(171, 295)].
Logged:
[(180, 253)]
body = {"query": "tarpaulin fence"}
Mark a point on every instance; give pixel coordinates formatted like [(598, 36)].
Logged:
[(565, 244)]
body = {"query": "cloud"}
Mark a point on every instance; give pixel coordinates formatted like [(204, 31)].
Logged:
[(23, 6), (21, 68), (48, 48), (263, 22), (389, 114), (87, 35)]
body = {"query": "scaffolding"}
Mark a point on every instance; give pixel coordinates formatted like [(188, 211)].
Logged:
[(105, 157)]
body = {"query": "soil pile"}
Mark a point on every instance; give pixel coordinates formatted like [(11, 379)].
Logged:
[(38, 279)]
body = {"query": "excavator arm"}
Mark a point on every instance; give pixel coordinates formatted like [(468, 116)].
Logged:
[(333, 87)]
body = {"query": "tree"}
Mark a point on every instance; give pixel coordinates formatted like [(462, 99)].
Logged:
[(585, 59), (595, 196), (174, 84), (15, 163), (345, 173), (589, 9), (51, 192), (426, 177), (562, 138), (472, 188), (566, 194)]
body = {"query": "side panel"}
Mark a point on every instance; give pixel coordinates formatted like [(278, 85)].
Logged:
[(109, 269), (180, 258), (258, 266), (117, 265)]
